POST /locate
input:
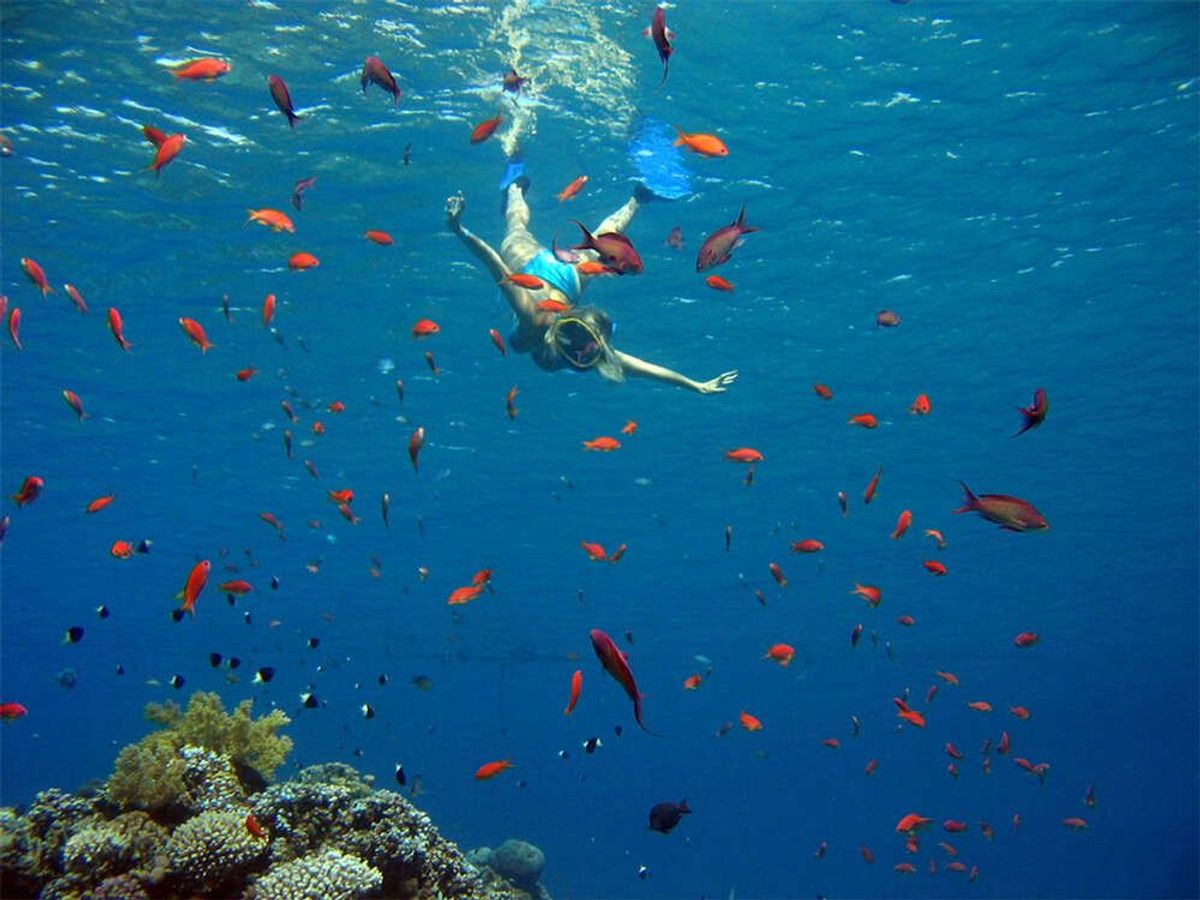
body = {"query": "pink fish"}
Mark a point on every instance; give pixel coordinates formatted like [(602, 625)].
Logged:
[(722, 242), (375, 72), (662, 37), (617, 665), (1010, 513), (282, 98), (1035, 413), (615, 250)]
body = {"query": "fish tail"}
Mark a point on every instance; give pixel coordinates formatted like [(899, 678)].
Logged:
[(970, 502)]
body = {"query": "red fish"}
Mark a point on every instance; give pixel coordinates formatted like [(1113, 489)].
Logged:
[(750, 722), (415, 442), (692, 682), (36, 274), (572, 189), (485, 129), (14, 326), (777, 574), (980, 706), (781, 653), (31, 489), (954, 827), (1026, 639), (866, 420), (911, 823), (921, 406), (617, 665), (382, 238), (206, 69), (238, 587), (274, 522), (11, 711), (253, 827), (464, 594), (283, 99), (717, 283), (870, 593), (1075, 823), (867, 855), (492, 769), (870, 767), (498, 341), (196, 581), (268, 310), (662, 37), (932, 565), (744, 455), (424, 328), (195, 332), (75, 403), (552, 305), (952, 751), (615, 556), (76, 298), (602, 444), (1020, 712), (807, 546), (99, 503), (869, 493), (906, 620), (576, 687), (1010, 513), (1035, 413), (905, 712), (823, 391), (902, 524), (721, 243), (167, 151), (155, 136), (510, 402), (375, 72), (614, 249), (595, 552)]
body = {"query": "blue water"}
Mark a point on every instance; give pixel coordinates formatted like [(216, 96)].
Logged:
[(1017, 181)]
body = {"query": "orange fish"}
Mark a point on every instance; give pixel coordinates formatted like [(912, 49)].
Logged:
[(1075, 823), (576, 687), (206, 69), (937, 536), (602, 444), (594, 267), (118, 328), (777, 574), (553, 306), (749, 722), (870, 593), (572, 189), (482, 577), (121, 550), (869, 493), (595, 551), (75, 403), (14, 326), (921, 406), (195, 332), (425, 327), (629, 427), (902, 524), (99, 503), (1004, 744), (343, 496), (271, 218), (980, 706), (823, 391), (464, 594), (1020, 712), (704, 144), (167, 151), (886, 318), (911, 822), (268, 310), (692, 682), (298, 262), (336, 407), (238, 587), (498, 341), (908, 714), (717, 283), (76, 298), (196, 581), (318, 428), (415, 442), (492, 769), (485, 129), (744, 455), (866, 420), (529, 282), (948, 677), (809, 545), (35, 274), (781, 653), (932, 565), (382, 238)]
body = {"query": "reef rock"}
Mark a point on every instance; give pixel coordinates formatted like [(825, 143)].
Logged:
[(331, 875)]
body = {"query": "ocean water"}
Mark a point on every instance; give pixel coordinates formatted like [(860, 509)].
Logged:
[(1018, 181)]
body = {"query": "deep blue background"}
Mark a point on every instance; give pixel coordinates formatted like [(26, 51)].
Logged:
[(1018, 181)]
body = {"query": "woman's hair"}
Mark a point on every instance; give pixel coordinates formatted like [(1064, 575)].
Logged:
[(608, 366)]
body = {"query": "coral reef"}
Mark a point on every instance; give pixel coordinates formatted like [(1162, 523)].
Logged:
[(196, 826)]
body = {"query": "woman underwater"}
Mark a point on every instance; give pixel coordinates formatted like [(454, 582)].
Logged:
[(579, 337)]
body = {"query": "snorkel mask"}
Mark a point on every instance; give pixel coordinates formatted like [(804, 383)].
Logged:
[(578, 342)]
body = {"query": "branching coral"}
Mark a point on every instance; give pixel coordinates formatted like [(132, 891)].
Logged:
[(331, 875)]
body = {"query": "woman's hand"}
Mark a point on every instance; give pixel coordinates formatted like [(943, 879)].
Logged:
[(455, 207), (717, 385)]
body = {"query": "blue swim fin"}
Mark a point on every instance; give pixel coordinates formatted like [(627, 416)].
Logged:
[(657, 161), (514, 172)]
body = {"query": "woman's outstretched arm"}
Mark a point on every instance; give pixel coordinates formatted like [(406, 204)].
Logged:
[(518, 298), (631, 365)]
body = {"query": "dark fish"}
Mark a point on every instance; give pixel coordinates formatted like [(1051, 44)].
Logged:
[(283, 99), (401, 779), (843, 503), (309, 700), (274, 582), (74, 635), (662, 37), (143, 546), (407, 157), (375, 72), (177, 614), (513, 82), (233, 662), (102, 612), (314, 643), (246, 617), (263, 675), (856, 634), (643, 872), (615, 250), (382, 679), (618, 730), (385, 506), (721, 243), (225, 307), (368, 711), (675, 238), (215, 659), (400, 390), (591, 744), (301, 186), (120, 669), (422, 682), (1035, 413), (177, 681), (728, 537), (665, 816)]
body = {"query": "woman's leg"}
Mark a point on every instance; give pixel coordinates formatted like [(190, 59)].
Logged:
[(619, 220), (519, 245)]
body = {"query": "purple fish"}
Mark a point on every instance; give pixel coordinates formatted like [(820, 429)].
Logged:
[(675, 238), (283, 99), (513, 82), (1035, 413), (375, 72), (1010, 513), (615, 250), (616, 664), (662, 37), (722, 242), (570, 257), (301, 186)]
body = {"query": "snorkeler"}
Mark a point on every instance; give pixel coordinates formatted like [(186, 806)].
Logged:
[(579, 337)]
